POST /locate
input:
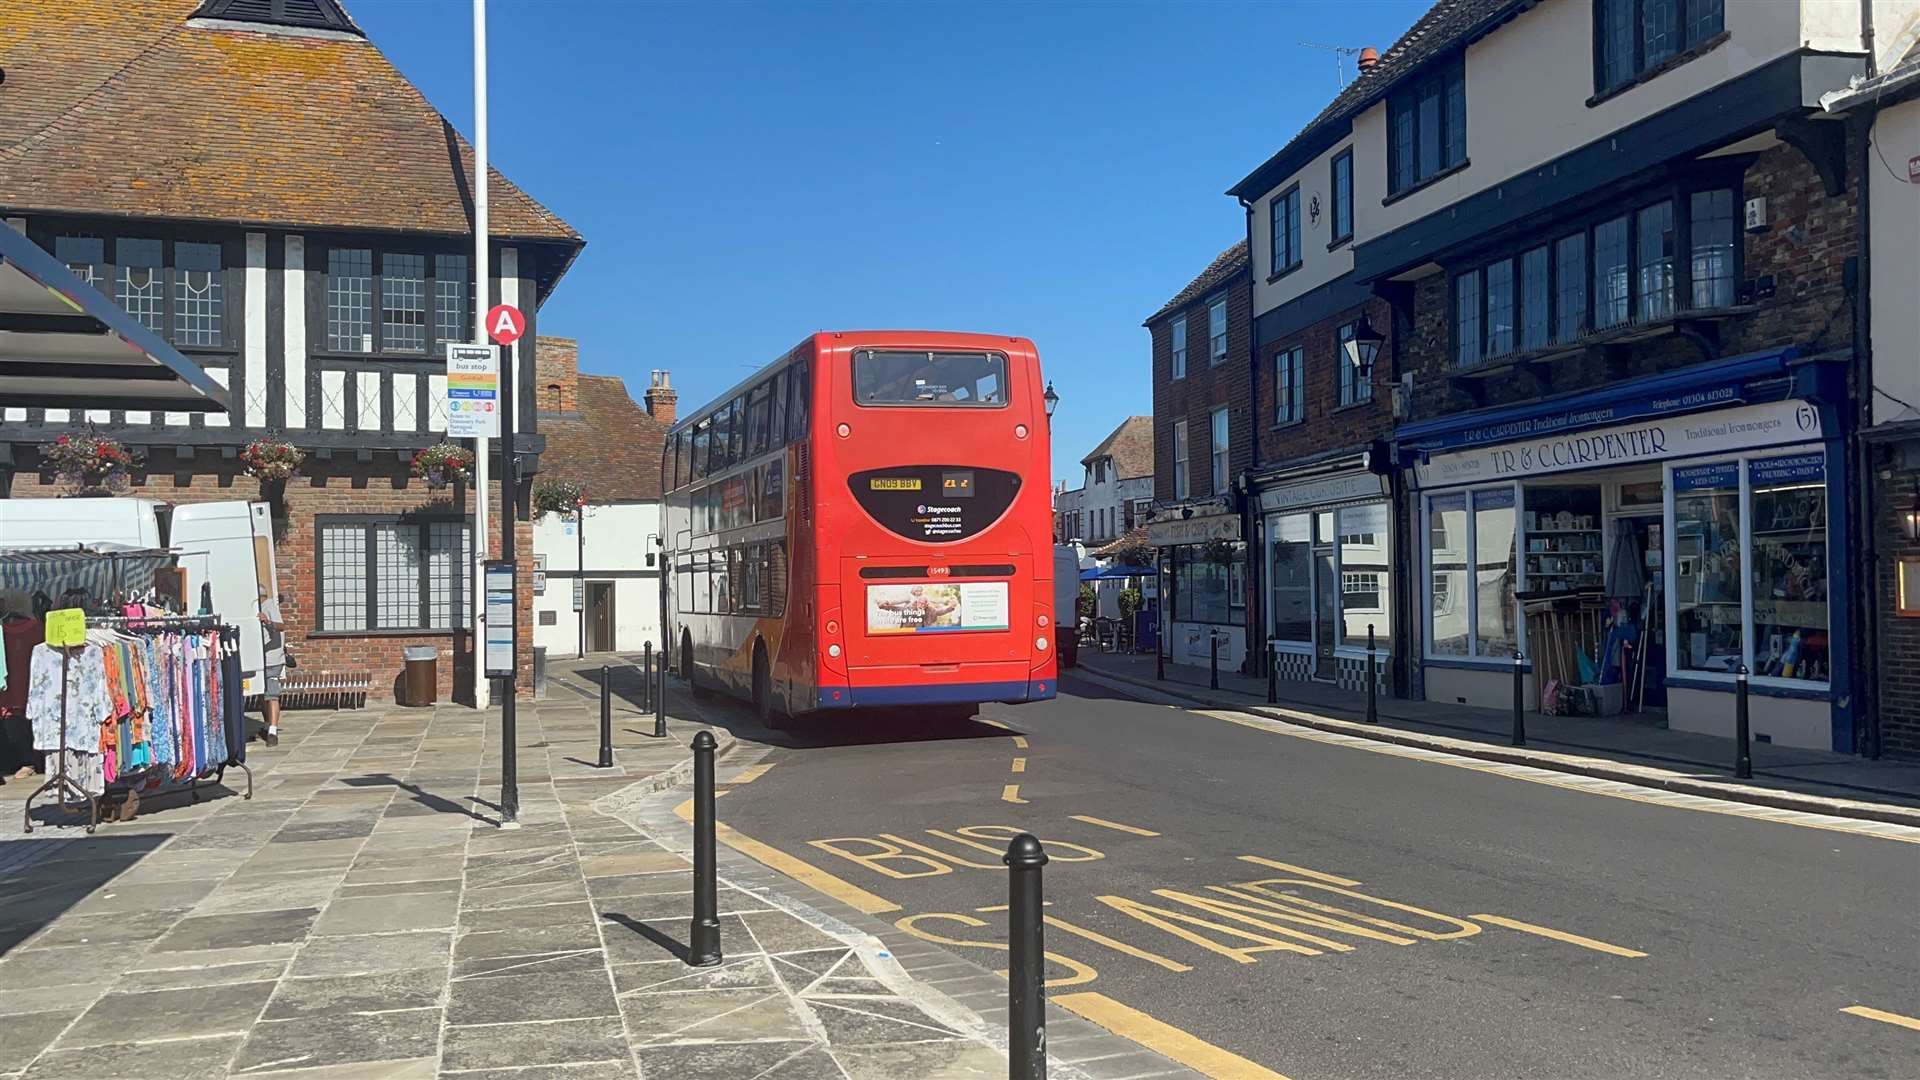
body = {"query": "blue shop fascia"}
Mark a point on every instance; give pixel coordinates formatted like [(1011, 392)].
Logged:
[(1640, 544)]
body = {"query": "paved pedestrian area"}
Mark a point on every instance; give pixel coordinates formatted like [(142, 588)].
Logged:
[(363, 916)]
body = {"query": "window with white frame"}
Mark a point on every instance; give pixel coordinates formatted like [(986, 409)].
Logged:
[(1338, 546), (1217, 329), (1219, 472), (1289, 386), (1179, 459), (174, 288), (377, 574), (1180, 347), (396, 302), (1472, 542)]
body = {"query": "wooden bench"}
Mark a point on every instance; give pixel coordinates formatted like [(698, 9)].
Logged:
[(325, 689)]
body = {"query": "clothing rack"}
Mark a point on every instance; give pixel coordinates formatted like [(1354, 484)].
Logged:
[(62, 784)]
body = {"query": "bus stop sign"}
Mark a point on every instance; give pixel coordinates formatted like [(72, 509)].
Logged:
[(505, 324)]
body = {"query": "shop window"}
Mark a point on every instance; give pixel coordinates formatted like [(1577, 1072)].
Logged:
[(1472, 532), (1707, 576), (1365, 574), (1789, 530), (1204, 587), (1450, 630), (1493, 545), (1292, 543), (1563, 531)]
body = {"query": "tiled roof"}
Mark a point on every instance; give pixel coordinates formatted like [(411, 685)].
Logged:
[(1447, 24), (132, 108), (610, 446), (1224, 266), (1130, 446)]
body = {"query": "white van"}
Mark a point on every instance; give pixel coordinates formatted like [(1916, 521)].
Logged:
[(1066, 604), (225, 547)]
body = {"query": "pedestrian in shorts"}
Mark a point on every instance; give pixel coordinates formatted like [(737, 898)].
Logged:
[(273, 630)]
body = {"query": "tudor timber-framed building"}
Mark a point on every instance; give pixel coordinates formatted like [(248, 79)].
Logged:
[(211, 166)]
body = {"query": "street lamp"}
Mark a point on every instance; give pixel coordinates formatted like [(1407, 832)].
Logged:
[(1910, 517), (1362, 348), (1052, 399)]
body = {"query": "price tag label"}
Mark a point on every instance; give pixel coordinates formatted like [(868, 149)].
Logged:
[(67, 626)]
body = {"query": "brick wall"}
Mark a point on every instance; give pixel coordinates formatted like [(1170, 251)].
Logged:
[(1899, 638), (1326, 425), (1805, 248), (1207, 386), (556, 377), (340, 486)]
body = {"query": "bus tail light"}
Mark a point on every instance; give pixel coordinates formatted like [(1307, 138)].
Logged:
[(1041, 643), (1043, 621)]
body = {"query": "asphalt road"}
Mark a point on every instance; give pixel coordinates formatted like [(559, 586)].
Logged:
[(1755, 934)]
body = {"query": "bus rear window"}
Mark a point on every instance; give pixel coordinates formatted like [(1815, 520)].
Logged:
[(929, 378)]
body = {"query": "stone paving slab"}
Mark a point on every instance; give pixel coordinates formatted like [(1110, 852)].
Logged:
[(362, 916)]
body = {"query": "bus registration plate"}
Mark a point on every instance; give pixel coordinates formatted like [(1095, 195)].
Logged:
[(894, 483)]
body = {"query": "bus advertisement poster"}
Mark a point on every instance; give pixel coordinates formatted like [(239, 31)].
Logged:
[(911, 609)]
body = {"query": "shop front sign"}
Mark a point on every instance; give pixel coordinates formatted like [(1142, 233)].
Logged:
[(1717, 432), (1193, 530), (1347, 487)]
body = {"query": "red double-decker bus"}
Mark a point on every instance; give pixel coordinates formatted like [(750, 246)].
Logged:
[(864, 523)]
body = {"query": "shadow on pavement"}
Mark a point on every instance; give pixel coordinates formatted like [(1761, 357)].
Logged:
[(678, 950), (421, 796), (41, 879)]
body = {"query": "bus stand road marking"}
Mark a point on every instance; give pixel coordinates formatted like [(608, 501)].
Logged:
[(807, 874), (1114, 825), (1019, 764), (1559, 935), (1020, 742), (1163, 1038), (752, 772), (1883, 1016), (1011, 793)]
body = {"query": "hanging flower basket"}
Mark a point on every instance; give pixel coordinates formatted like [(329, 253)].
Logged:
[(443, 464), (92, 463), (273, 461), (557, 497)]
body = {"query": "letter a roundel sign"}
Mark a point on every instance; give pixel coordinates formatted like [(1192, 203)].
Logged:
[(505, 324)]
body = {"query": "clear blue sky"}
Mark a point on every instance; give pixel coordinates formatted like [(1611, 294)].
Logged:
[(748, 173)]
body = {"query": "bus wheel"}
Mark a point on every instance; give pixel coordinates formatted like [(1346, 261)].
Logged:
[(764, 709)]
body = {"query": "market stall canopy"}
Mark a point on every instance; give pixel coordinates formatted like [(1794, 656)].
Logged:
[(66, 345), (99, 569), (1111, 572)]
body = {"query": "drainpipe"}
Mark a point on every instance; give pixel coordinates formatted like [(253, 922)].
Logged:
[(1866, 36), (1867, 642), (1256, 557)]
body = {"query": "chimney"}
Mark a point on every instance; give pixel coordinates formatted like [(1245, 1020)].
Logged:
[(662, 398), (1369, 57)]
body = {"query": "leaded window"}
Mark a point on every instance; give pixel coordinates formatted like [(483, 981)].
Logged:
[(1712, 261), (403, 303), (199, 306), (350, 300), (86, 256), (452, 314), (1610, 279), (140, 284), (1653, 250), (1427, 124), (1638, 36), (392, 574)]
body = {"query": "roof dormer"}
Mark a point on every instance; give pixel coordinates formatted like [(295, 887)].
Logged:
[(289, 14)]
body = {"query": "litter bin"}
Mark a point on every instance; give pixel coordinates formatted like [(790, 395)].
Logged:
[(420, 684)]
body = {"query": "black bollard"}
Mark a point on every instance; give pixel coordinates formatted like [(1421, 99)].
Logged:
[(1213, 661), (646, 678), (1273, 675), (606, 717), (1159, 663), (1519, 699), (1026, 993), (660, 697), (1373, 679), (703, 938), (1743, 746)]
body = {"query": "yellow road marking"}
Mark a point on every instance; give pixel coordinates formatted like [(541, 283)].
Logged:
[(1301, 870), (1562, 935), (1020, 742), (1884, 1017), (752, 772), (991, 908), (1019, 764), (993, 723), (805, 873), (1011, 793), (1131, 1023), (1114, 825), (1118, 946)]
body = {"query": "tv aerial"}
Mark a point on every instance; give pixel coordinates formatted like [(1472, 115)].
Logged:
[(1340, 55)]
